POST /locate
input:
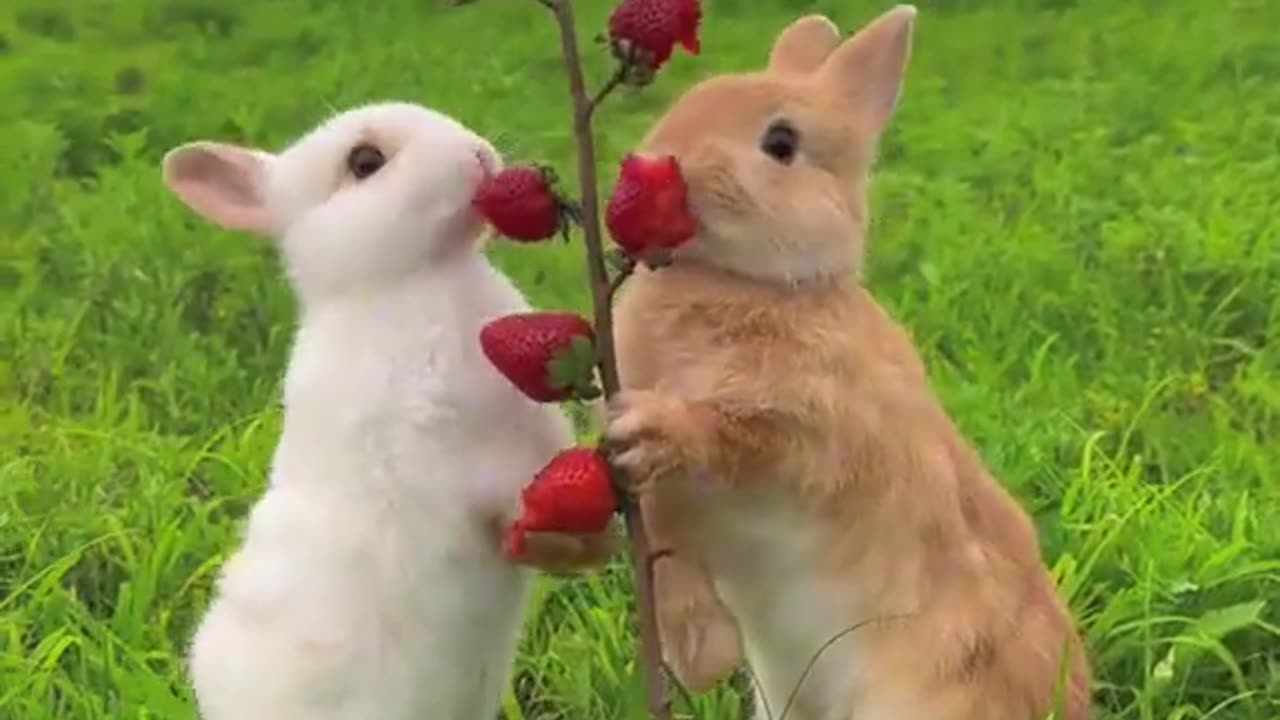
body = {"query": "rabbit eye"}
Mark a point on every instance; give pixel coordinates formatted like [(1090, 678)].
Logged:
[(365, 160), (780, 142)]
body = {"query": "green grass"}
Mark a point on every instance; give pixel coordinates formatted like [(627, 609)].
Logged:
[(1077, 213)]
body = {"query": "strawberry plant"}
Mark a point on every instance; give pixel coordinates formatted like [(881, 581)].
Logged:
[(556, 356)]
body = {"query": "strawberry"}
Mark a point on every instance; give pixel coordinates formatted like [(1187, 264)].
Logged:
[(573, 493), (689, 15), (549, 356), (645, 32), (520, 203), (649, 208)]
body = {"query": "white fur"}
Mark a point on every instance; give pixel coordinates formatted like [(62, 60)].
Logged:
[(368, 586)]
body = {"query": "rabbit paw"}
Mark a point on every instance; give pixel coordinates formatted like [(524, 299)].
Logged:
[(566, 554), (649, 436), (700, 637)]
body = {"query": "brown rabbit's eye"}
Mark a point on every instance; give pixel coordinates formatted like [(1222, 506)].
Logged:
[(365, 160), (780, 142)]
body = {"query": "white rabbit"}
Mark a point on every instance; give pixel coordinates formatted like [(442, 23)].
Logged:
[(371, 583)]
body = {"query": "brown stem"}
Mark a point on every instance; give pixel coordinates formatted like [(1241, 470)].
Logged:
[(563, 11), (601, 295), (610, 85), (623, 273)]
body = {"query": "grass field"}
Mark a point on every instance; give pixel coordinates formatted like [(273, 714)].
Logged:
[(1077, 213)]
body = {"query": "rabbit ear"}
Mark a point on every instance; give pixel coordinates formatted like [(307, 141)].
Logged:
[(803, 45), (222, 183), (867, 69)]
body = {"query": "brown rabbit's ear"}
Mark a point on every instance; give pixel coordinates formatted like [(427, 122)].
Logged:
[(803, 45), (867, 69)]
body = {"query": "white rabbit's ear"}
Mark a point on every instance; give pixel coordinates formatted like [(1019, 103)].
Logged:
[(867, 70), (223, 183), (803, 45)]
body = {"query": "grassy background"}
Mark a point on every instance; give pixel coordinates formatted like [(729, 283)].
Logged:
[(1077, 214)]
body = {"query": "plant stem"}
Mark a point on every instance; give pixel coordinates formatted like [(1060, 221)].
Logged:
[(619, 278), (602, 290), (614, 81)]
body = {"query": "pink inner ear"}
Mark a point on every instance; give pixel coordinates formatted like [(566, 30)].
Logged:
[(220, 183)]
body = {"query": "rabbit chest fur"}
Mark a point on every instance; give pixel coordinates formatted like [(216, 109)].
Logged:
[(873, 567), (369, 584)]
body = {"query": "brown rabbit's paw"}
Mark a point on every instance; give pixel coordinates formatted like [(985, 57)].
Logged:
[(700, 638), (705, 654), (649, 436)]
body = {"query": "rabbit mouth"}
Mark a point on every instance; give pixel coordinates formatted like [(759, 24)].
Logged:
[(488, 161)]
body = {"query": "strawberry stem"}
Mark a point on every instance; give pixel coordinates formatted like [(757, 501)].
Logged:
[(613, 82), (570, 210), (602, 290), (625, 268)]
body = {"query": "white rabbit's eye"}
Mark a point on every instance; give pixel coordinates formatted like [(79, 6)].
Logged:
[(781, 142), (365, 160)]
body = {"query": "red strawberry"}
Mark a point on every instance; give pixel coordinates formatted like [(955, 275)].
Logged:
[(520, 203), (690, 16), (649, 208), (647, 31), (547, 355), (573, 493)]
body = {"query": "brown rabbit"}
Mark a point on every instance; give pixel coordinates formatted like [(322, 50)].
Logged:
[(780, 430)]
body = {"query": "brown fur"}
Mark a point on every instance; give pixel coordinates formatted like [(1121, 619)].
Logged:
[(767, 392)]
